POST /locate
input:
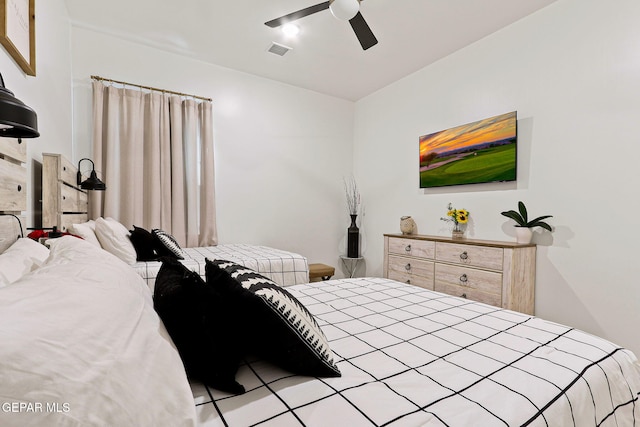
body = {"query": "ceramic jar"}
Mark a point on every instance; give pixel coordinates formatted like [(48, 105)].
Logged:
[(407, 225)]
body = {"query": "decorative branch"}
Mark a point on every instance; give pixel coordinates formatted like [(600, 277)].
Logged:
[(352, 194)]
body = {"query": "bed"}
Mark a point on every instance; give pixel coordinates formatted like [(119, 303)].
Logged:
[(80, 341), (82, 344), (283, 267), (414, 357), (63, 205)]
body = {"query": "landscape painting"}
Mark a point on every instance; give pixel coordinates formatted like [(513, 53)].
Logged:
[(482, 151)]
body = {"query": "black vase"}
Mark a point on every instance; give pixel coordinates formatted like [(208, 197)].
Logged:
[(353, 239)]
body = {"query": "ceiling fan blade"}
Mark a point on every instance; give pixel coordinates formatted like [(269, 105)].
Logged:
[(363, 32), (297, 15)]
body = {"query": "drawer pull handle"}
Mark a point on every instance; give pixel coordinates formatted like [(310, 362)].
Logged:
[(464, 256), (464, 278), (19, 187), (463, 296), (407, 248), (407, 267)]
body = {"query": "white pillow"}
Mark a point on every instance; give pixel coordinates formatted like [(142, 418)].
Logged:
[(86, 230), (24, 256), (114, 238)]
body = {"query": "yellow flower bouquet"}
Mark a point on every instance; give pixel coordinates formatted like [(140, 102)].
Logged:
[(457, 217)]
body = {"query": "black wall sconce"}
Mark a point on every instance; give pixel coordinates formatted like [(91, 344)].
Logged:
[(16, 119), (91, 183)]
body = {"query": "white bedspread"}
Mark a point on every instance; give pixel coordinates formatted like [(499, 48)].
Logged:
[(80, 345), (413, 357), (283, 267)]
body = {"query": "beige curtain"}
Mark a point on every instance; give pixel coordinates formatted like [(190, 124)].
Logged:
[(155, 152)]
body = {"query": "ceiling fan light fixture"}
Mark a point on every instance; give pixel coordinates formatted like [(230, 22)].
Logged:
[(290, 29), (344, 9)]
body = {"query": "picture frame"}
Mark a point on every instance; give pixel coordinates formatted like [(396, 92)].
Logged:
[(17, 32), (480, 152)]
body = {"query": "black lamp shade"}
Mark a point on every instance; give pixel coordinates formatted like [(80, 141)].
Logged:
[(16, 119), (91, 183)]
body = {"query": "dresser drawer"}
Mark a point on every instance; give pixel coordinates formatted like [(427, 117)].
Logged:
[(411, 247), (412, 279), (411, 266), (14, 148), (472, 294), (468, 278), (13, 186), (471, 255), (73, 200)]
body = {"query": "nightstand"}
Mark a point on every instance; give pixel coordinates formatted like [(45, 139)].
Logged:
[(350, 264)]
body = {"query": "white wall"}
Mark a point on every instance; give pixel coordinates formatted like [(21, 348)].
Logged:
[(571, 71), (49, 92), (280, 152)]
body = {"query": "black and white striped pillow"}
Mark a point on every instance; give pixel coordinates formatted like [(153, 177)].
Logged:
[(167, 244), (277, 326)]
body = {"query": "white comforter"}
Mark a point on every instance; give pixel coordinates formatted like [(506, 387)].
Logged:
[(81, 345)]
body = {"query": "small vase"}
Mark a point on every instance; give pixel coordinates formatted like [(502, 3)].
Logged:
[(457, 232), (353, 239), (523, 235), (407, 225)]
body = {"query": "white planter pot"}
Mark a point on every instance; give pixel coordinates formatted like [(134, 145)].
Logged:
[(523, 234)]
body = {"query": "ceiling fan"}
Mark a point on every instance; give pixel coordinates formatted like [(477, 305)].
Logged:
[(347, 10)]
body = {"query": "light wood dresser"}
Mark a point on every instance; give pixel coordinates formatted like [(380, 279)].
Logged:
[(13, 189), (63, 203), (496, 273)]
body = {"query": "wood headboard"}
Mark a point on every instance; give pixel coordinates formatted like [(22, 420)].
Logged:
[(13, 189), (63, 203)]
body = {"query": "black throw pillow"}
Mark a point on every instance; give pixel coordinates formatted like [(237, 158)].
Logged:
[(144, 244), (279, 328), (198, 320)]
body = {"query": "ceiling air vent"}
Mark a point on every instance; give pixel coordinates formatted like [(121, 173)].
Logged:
[(279, 49)]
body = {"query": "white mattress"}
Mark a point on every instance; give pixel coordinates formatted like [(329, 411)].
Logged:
[(413, 357), (283, 267)]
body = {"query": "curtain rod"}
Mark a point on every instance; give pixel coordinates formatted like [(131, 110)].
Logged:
[(150, 88)]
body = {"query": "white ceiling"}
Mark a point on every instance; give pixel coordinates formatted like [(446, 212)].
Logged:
[(326, 55)]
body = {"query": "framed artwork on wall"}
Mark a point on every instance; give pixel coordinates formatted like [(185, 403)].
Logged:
[(18, 32), (479, 152)]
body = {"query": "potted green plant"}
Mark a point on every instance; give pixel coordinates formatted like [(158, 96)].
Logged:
[(524, 225)]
